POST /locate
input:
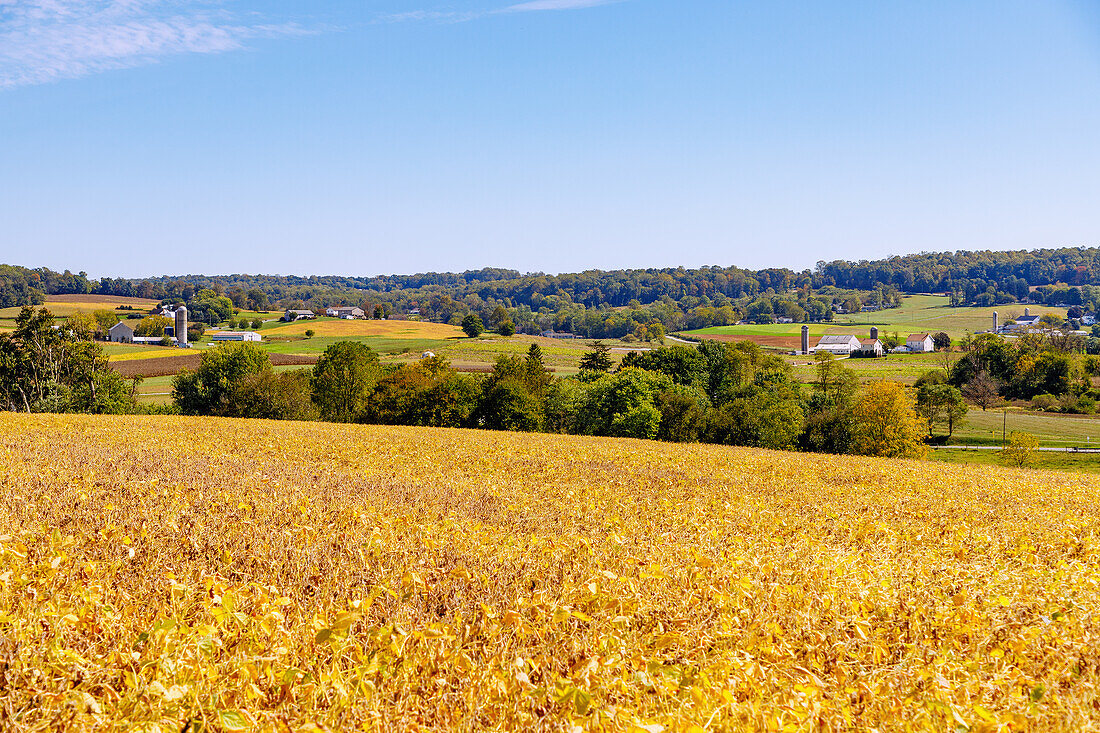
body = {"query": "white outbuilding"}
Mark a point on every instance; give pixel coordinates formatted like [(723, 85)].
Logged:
[(838, 343)]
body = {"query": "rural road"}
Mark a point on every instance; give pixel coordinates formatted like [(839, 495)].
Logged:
[(997, 447)]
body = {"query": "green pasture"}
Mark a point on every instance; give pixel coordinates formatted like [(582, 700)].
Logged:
[(905, 368), (1052, 430), (917, 314), (1049, 460)]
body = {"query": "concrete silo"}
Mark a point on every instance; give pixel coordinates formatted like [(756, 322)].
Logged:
[(805, 339), (181, 325), (996, 324)]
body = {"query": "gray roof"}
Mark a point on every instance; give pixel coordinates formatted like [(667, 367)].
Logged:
[(837, 338)]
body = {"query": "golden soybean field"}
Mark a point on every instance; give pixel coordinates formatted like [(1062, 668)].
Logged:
[(172, 574)]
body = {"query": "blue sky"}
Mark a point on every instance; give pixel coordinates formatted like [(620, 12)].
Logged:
[(144, 137)]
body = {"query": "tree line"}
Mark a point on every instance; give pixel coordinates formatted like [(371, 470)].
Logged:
[(732, 394)]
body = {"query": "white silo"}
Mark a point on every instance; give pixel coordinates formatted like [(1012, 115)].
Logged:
[(181, 325)]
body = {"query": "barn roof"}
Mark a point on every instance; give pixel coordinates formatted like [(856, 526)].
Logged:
[(837, 338)]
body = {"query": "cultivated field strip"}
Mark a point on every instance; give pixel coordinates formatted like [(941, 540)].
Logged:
[(158, 573)]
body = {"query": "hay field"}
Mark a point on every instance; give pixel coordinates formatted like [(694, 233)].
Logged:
[(66, 305), (195, 573), (363, 328)]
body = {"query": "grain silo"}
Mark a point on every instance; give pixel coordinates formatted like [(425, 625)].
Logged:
[(996, 324), (874, 333), (181, 325), (805, 339)]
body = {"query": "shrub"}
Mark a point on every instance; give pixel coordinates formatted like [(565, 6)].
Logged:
[(1020, 449), (1044, 403)]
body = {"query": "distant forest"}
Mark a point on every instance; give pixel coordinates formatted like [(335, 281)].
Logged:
[(609, 303)]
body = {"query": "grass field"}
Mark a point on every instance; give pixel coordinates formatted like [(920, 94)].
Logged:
[(195, 573), (918, 313), (897, 367), (1048, 460), (1053, 430)]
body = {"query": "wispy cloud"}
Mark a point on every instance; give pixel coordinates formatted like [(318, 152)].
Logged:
[(454, 16), (47, 40), (555, 5)]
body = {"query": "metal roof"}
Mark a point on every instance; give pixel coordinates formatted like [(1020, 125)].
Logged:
[(837, 338)]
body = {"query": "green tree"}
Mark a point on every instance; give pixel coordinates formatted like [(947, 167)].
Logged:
[(683, 363), (105, 319), (764, 413), (211, 389), (506, 328), (152, 326), (472, 325), (598, 359), (271, 396), (343, 380), (940, 403), (48, 369), (622, 404), (761, 311), (536, 376), (683, 414)]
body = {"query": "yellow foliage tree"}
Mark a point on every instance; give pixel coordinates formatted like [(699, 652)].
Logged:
[(1020, 449), (886, 423)]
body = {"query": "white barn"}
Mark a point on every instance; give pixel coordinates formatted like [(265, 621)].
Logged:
[(121, 333), (837, 343)]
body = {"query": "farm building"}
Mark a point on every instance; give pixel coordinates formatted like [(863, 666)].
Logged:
[(120, 333), (236, 336), (836, 343), (341, 312), (1026, 322), (298, 315), (919, 343), (870, 347), (557, 335)]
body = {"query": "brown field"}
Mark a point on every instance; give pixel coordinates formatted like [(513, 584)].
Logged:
[(168, 365), (171, 574), (768, 340)]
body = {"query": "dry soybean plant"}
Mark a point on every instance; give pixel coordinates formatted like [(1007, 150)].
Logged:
[(167, 574)]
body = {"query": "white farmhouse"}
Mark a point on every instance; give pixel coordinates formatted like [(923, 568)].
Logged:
[(836, 343), (871, 347), (920, 343)]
